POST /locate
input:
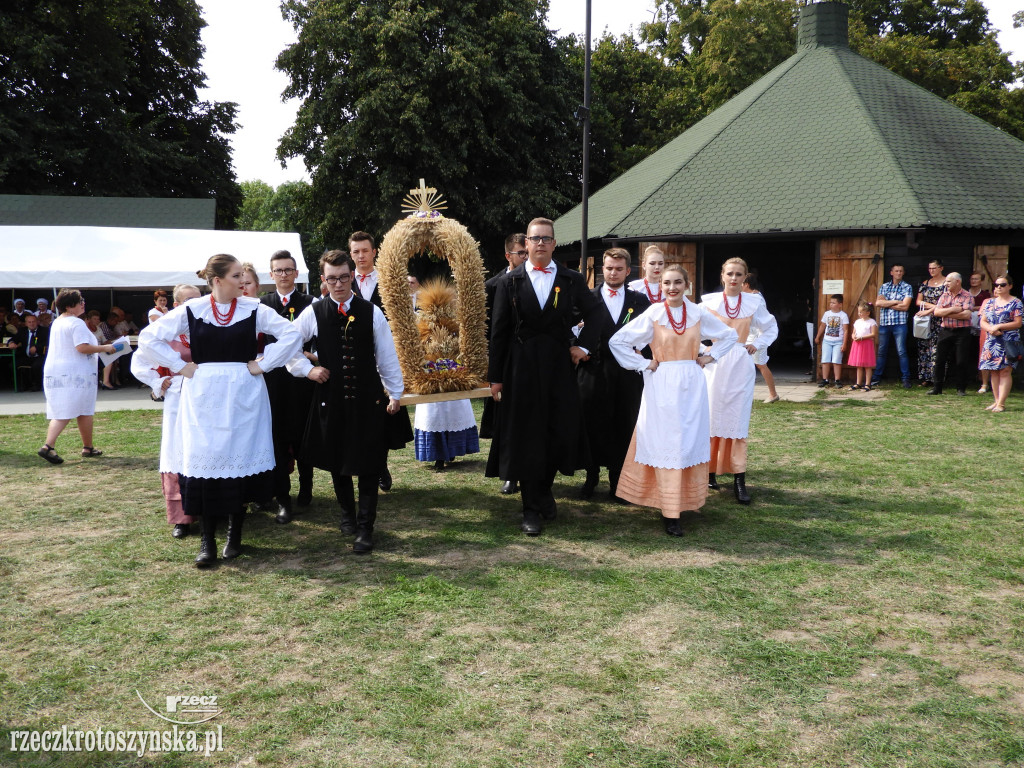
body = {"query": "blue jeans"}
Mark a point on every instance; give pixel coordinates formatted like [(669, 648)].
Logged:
[(899, 333)]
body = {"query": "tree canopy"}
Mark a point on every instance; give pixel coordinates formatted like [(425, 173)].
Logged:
[(474, 96), (99, 97)]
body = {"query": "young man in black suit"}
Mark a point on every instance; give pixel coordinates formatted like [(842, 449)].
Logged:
[(531, 370), (610, 393), (289, 397)]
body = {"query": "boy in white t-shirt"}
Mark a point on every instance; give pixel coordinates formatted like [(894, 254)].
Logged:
[(833, 336)]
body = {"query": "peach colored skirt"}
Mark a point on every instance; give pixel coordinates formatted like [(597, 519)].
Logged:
[(728, 455), (670, 490)]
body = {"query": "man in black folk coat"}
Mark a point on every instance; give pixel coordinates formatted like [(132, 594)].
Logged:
[(538, 431), (365, 281), (289, 397), (359, 384), (515, 254), (610, 393)]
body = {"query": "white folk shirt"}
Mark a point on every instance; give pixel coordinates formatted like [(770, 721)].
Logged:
[(614, 303), (543, 280), (365, 284)]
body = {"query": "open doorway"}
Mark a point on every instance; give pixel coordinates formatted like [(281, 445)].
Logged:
[(785, 273)]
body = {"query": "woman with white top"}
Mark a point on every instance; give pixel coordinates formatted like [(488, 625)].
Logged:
[(650, 284), (666, 465), (226, 452), (731, 380)]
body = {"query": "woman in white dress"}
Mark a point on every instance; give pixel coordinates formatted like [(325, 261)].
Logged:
[(731, 381), (69, 375), (167, 387), (650, 284), (159, 308), (225, 453), (667, 462)]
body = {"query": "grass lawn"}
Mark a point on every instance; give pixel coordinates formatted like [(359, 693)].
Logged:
[(865, 610)]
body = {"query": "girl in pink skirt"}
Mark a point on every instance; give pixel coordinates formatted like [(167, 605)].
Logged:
[(862, 354)]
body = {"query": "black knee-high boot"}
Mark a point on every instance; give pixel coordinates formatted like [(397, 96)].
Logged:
[(366, 516), (233, 546), (207, 542), (346, 496), (713, 482), (739, 486)]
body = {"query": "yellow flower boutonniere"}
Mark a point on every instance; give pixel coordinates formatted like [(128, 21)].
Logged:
[(351, 319), (557, 291), (628, 317), (291, 313)]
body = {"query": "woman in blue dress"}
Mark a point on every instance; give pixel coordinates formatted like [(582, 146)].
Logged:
[(1001, 320)]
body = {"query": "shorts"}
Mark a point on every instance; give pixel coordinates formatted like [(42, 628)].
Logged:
[(832, 351)]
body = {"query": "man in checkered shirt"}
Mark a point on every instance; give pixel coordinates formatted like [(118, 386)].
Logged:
[(893, 302)]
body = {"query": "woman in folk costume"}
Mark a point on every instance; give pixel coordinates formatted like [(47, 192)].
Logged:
[(167, 387), (731, 381), (226, 452), (667, 462)]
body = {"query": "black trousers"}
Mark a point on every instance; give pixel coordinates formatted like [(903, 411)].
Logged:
[(953, 345), (538, 497)]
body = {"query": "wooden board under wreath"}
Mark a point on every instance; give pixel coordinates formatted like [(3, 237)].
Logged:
[(443, 397)]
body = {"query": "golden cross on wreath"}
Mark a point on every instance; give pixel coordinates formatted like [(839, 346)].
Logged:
[(423, 198)]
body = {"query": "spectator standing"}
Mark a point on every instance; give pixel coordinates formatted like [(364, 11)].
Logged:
[(927, 295), (893, 302), (833, 335), (1001, 320), (761, 356), (862, 351), (953, 309)]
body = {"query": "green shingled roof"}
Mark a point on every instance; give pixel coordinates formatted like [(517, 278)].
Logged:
[(826, 141), (70, 211)]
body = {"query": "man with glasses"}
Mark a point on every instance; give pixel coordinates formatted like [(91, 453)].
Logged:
[(531, 370), (954, 312), (515, 254), (289, 397), (359, 384), (893, 303)]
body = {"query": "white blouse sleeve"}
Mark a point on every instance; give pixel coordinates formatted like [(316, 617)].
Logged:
[(155, 338), (299, 366), (289, 341), (764, 322), (634, 335), (387, 358)]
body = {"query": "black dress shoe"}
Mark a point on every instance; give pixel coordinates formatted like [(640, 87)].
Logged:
[(284, 513), (385, 480), (934, 391), (531, 526), (509, 487), (439, 465), (180, 530), (673, 526)]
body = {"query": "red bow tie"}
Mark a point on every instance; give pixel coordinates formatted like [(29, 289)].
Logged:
[(545, 270), (612, 292), (362, 278)]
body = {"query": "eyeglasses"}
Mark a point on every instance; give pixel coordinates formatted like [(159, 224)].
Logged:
[(520, 254), (537, 239), (1001, 285), (283, 272), (336, 280)]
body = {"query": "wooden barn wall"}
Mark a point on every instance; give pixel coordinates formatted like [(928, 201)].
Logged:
[(858, 262)]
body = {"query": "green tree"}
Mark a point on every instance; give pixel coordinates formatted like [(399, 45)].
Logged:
[(99, 97), (474, 96), (285, 209)]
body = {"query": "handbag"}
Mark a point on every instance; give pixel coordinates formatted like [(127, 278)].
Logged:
[(1014, 350), (922, 326)]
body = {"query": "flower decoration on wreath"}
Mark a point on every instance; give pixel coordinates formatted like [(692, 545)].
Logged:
[(426, 229)]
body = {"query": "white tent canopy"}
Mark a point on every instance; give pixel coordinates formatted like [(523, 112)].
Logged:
[(122, 257)]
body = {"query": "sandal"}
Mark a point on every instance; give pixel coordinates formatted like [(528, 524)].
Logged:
[(855, 386), (48, 453), (89, 452)]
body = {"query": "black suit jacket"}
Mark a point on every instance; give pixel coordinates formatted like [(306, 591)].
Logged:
[(41, 341), (289, 396), (538, 428)]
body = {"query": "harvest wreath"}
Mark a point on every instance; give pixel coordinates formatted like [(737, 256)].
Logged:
[(426, 373)]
